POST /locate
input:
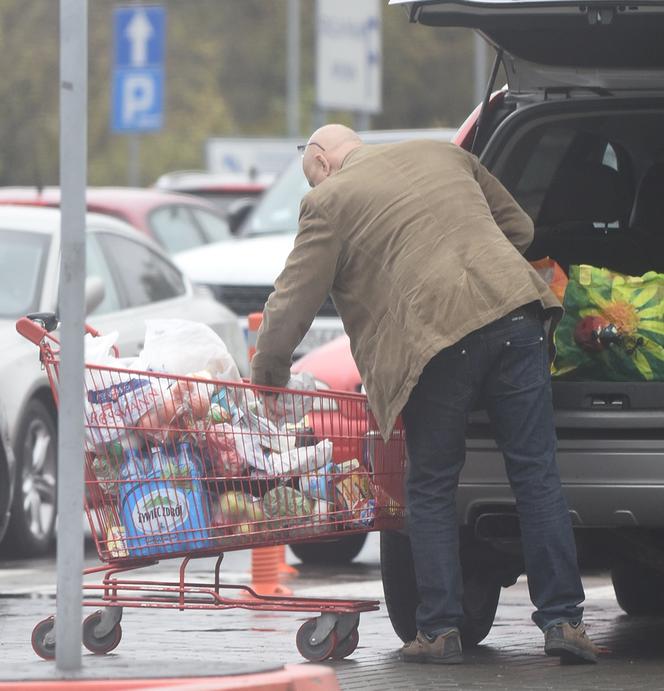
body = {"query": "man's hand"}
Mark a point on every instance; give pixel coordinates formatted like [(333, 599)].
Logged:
[(273, 405)]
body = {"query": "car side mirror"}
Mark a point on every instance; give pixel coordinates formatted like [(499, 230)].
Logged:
[(237, 213), (95, 292)]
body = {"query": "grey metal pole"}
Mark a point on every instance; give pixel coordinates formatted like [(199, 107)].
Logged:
[(73, 170), (293, 68), (134, 160), (480, 68), (362, 120)]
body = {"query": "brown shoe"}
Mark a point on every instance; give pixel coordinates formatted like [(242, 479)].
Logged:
[(444, 649), (570, 643)]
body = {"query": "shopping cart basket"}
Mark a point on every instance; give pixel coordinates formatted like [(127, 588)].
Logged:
[(187, 467)]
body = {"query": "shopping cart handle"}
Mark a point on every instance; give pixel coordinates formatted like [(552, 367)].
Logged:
[(33, 331), (49, 320)]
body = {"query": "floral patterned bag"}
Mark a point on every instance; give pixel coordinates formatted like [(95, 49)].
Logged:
[(613, 328)]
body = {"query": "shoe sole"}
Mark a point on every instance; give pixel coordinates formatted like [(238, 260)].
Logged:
[(571, 655), (433, 659)]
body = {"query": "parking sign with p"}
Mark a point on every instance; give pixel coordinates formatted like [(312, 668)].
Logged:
[(138, 71)]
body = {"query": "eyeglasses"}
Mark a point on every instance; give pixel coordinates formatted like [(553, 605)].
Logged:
[(302, 147)]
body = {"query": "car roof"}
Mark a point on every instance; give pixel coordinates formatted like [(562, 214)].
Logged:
[(138, 198), (44, 219), (218, 182), (130, 204)]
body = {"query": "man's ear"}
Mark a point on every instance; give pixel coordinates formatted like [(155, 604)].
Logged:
[(324, 163)]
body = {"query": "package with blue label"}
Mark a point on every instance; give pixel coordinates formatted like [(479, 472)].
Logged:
[(163, 504)]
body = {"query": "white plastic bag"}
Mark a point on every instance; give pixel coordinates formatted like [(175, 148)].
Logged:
[(305, 459), (180, 347)]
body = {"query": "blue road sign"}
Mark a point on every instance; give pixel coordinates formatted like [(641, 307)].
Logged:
[(138, 71)]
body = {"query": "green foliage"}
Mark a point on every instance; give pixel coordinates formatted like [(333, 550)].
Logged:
[(225, 76)]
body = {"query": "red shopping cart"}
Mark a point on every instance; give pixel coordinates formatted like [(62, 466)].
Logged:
[(188, 467)]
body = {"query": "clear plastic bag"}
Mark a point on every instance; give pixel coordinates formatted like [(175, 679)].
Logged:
[(178, 346)]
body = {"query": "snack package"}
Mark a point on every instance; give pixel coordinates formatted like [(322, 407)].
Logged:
[(115, 542), (352, 488), (613, 328), (363, 513)]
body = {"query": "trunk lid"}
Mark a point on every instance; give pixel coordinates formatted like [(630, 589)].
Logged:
[(596, 45)]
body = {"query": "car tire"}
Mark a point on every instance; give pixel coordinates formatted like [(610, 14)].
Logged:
[(31, 527), (638, 589), (331, 552), (480, 601)]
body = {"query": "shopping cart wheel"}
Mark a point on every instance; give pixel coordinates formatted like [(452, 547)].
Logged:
[(314, 652), (346, 646), (43, 639), (100, 645)]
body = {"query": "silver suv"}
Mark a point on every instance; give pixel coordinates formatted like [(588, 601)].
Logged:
[(577, 137)]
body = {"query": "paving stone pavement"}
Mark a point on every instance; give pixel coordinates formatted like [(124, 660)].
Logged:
[(168, 643)]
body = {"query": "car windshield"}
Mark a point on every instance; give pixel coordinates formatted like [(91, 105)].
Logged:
[(22, 261), (279, 208)]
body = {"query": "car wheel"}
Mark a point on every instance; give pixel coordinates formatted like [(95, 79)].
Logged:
[(332, 552), (32, 524), (638, 589), (480, 599)]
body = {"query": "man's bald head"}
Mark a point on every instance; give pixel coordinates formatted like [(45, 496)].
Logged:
[(326, 150)]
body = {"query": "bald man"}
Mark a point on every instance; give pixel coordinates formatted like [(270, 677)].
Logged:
[(421, 250)]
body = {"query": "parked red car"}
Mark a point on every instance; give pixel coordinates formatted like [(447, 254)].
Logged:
[(175, 221)]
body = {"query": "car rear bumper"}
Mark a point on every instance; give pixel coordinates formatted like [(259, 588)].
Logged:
[(611, 482)]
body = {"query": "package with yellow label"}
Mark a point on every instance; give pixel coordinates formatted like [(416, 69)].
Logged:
[(352, 491)]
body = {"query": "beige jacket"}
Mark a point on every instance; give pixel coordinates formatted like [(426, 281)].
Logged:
[(418, 245)]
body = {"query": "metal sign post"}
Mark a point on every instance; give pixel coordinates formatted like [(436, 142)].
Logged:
[(139, 39), (293, 68), (73, 171)]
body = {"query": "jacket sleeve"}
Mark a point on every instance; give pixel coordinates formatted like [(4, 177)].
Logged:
[(510, 217), (299, 292)]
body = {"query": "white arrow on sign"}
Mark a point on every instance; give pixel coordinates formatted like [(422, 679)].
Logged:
[(139, 30)]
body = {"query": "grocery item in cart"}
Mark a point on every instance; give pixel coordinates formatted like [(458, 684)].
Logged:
[(237, 513), (114, 400), (285, 506), (352, 491), (319, 484), (162, 502), (225, 451), (301, 459), (106, 463), (116, 543)]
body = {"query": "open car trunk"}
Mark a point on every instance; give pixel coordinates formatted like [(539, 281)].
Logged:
[(591, 176)]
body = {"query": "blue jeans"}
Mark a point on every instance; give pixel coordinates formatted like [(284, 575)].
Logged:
[(505, 367)]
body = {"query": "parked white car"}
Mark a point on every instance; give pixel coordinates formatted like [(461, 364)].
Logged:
[(241, 274), (139, 282)]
